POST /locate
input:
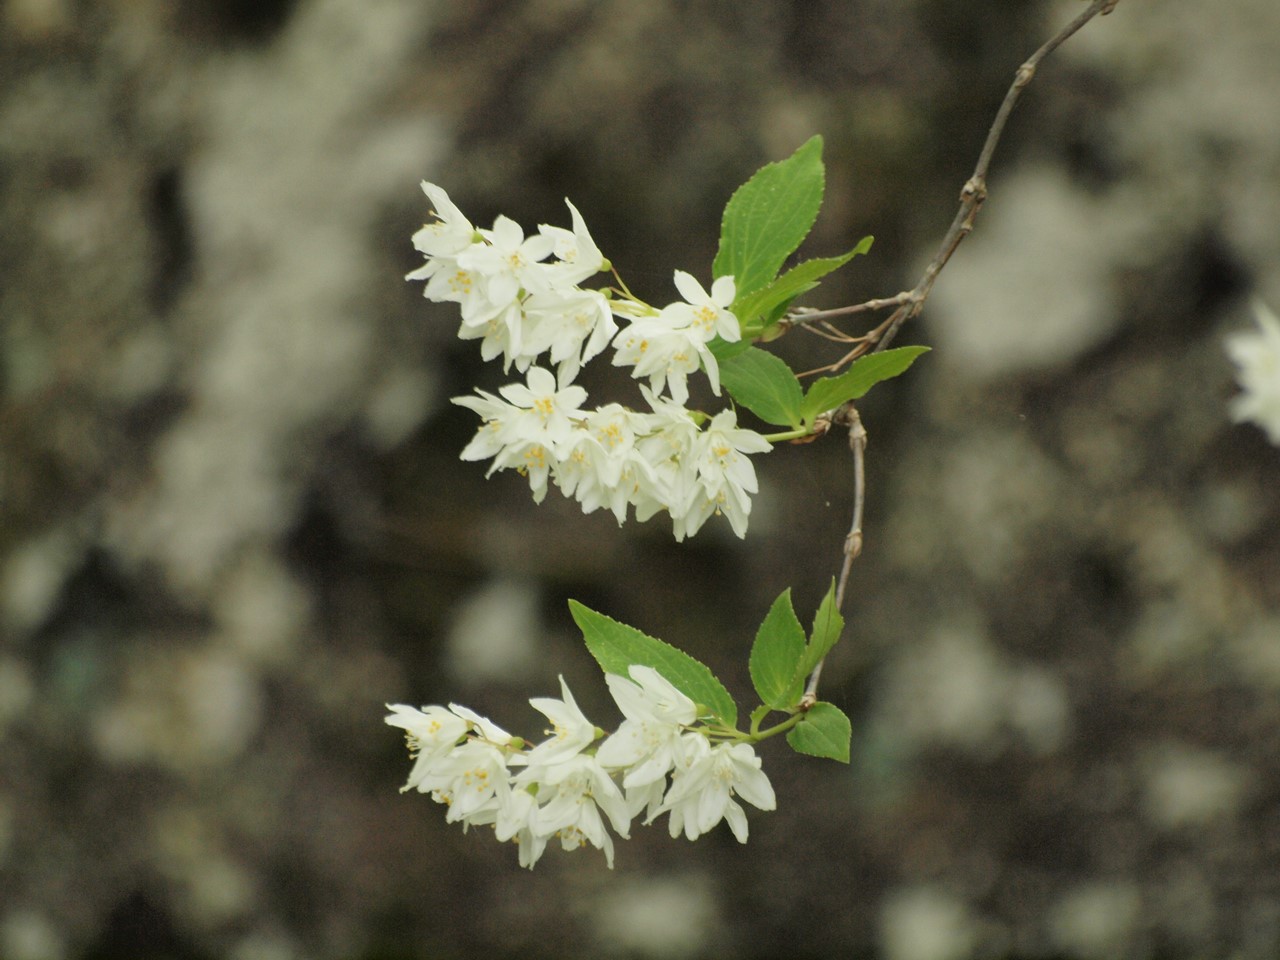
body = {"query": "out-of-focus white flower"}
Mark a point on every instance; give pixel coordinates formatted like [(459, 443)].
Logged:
[(705, 782), (1257, 357)]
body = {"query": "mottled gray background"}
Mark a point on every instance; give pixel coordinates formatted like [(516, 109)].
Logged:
[(233, 523)]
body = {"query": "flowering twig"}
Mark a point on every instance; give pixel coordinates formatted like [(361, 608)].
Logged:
[(680, 751), (909, 303)]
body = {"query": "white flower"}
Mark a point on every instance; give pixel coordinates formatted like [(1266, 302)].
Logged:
[(518, 819), (507, 264), (704, 784), (647, 745), (571, 730), (668, 347), (725, 476), (663, 352), (485, 728), (672, 450), (546, 413), (577, 253), (706, 313), (604, 468), (431, 733), (472, 777), (471, 780), (530, 432), (445, 237), (501, 334), (1257, 355), (571, 795), (573, 325)]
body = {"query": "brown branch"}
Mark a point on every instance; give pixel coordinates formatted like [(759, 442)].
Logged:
[(974, 192), (847, 416), (909, 304)]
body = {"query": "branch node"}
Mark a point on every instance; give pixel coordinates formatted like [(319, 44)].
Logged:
[(974, 190)]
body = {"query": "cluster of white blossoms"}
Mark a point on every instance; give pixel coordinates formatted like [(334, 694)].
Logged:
[(659, 761), (1257, 357), (520, 296)]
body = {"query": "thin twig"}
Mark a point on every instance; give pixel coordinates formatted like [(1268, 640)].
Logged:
[(974, 192), (806, 315), (848, 416), (909, 304)]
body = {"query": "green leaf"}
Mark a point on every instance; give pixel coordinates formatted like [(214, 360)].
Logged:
[(617, 647), (765, 385), (827, 627), (824, 732), (799, 279), (777, 650), (865, 372), (722, 350), (768, 216)]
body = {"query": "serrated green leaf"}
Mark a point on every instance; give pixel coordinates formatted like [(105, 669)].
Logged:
[(825, 731), (865, 372), (765, 385), (768, 216), (778, 647), (617, 647), (799, 279)]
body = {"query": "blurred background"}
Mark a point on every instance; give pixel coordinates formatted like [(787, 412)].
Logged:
[(233, 522)]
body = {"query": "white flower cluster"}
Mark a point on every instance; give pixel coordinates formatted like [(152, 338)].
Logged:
[(521, 298), (1257, 355), (659, 761)]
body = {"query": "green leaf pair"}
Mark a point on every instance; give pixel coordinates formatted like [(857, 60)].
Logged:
[(782, 659), (764, 223), (765, 385)]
